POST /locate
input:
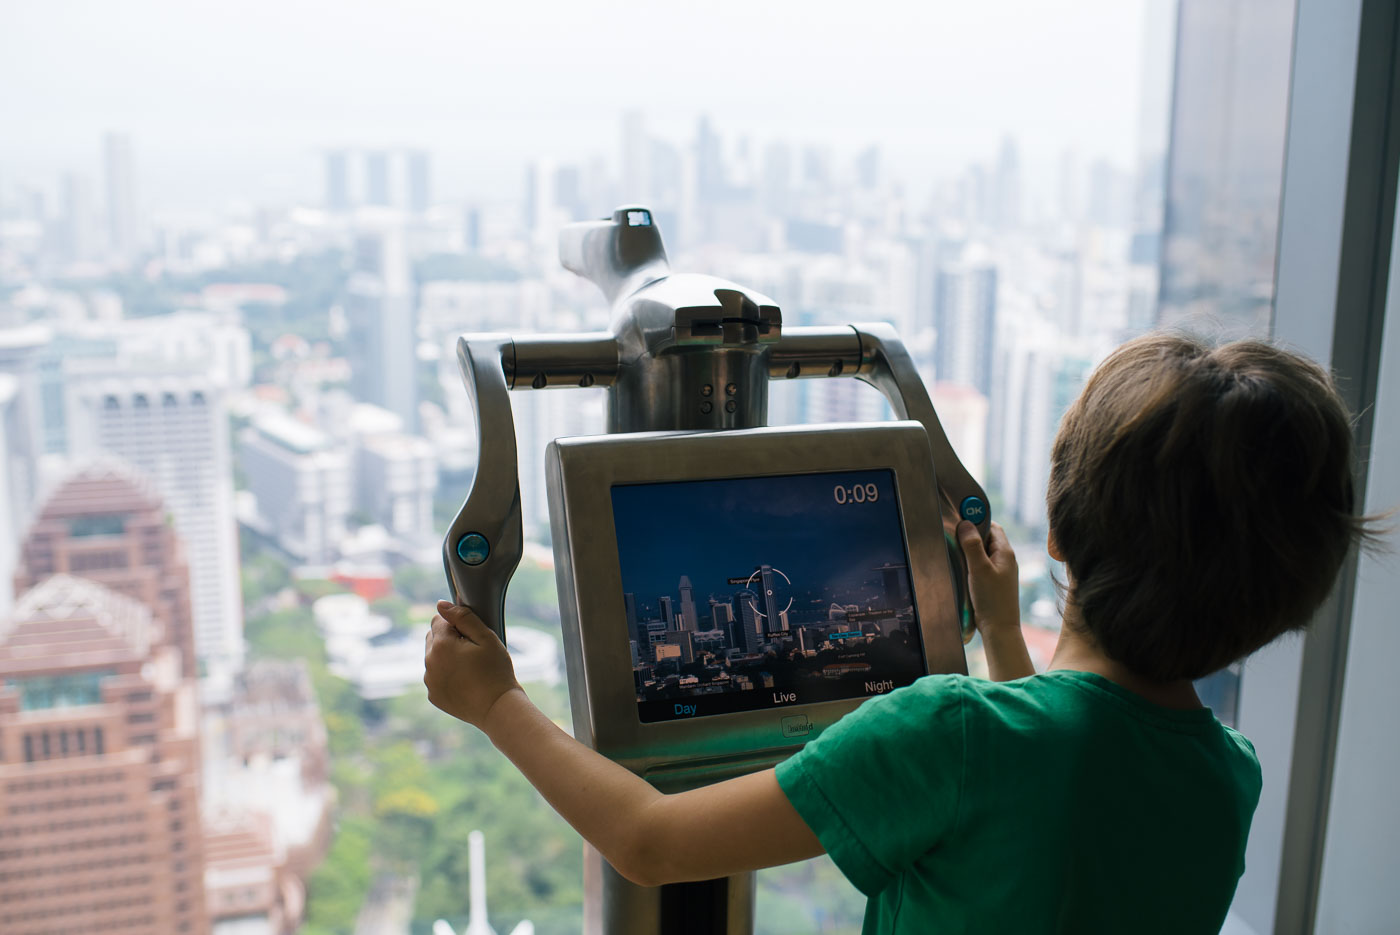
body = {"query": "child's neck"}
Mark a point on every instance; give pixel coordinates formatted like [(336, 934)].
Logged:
[(1075, 651)]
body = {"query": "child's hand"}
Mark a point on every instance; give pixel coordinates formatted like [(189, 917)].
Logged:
[(992, 577), (467, 667)]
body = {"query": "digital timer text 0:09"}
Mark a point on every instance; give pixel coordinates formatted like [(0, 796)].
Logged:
[(856, 493)]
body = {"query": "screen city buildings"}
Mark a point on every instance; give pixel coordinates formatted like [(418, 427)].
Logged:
[(760, 592)]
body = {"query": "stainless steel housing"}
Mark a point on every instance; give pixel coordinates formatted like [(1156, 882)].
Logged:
[(676, 755), (695, 353)]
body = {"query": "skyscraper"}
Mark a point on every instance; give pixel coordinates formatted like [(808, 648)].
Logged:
[(892, 579), (709, 163), (751, 628), (685, 639), (668, 612), (1006, 193), (771, 610), (338, 180), (79, 240), (377, 190), (629, 604), (174, 429), (107, 522), (635, 184), (689, 617), (121, 195), (382, 345), (99, 768), (964, 316), (419, 181), (1042, 375), (721, 614)]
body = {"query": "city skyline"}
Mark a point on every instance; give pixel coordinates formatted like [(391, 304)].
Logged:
[(531, 93), (237, 246), (719, 530)]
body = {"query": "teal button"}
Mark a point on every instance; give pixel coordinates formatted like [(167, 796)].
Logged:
[(473, 548), (973, 509)]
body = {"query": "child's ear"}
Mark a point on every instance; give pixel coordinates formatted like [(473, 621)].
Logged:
[(1053, 547)]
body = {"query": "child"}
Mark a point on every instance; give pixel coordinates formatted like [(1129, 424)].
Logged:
[(1201, 501)]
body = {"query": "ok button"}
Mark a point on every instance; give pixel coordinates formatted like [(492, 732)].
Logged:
[(973, 509)]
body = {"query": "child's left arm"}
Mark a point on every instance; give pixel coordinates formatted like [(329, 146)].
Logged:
[(650, 838)]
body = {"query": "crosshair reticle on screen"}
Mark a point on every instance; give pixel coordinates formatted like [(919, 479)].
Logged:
[(748, 593)]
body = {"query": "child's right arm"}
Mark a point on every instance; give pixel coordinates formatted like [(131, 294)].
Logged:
[(650, 838), (996, 601)]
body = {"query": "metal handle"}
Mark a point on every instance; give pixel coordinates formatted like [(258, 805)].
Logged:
[(485, 541), (887, 366), (541, 361), (872, 352)]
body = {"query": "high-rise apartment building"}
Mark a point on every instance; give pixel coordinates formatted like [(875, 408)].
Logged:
[(1041, 376), (107, 523), (964, 316), (99, 769), (338, 180), (419, 175), (121, 195), (381, 327), (174, 429), (377, 179)]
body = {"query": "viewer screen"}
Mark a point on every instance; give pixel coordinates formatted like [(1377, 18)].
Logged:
[(761, 592)]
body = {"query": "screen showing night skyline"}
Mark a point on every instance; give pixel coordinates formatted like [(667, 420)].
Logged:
[(758, 592)]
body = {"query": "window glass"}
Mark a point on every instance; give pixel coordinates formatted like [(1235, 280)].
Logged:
[(1224, 187), (237, 248)]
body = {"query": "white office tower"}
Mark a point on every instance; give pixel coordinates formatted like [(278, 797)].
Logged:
[(381, 331), (121, 195), (301, 480), (965, 319), (395, 479), (173, 427)]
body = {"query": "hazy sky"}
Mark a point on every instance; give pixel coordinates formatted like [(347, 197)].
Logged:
[(232, 99)]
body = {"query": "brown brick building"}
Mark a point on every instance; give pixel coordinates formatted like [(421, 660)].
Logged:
[(99, 759), (108, 523)]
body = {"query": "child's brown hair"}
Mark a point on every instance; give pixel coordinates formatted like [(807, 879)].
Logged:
[(1202, 499)]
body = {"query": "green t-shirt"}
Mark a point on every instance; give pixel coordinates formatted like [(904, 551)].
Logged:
[(1056, 803)]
